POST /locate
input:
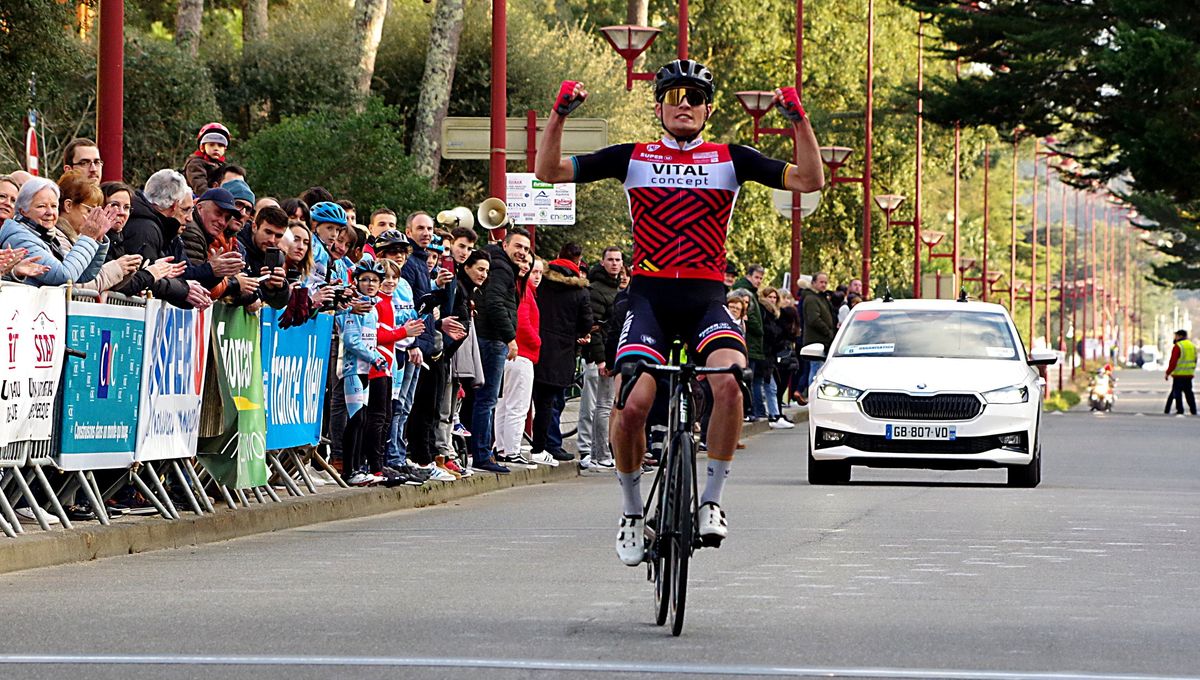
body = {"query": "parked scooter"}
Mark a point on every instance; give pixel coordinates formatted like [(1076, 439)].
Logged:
[(1102, 391)]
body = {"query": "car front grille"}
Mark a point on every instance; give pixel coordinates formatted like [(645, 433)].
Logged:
[(900, 406)]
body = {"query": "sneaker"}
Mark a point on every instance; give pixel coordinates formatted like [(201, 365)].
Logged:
[(437, 474), (646, 467), (520, 460), (392, 477), (362, 479), (319, 477), (713, 527), (80, 513), (631, 541), (605, 465), (460, 431), (26, 516), (502, 457), (491, 466), (543, 458), (561, 455), (417, 473), (702, 446), (781, 424), (453, 466), (585, 461)]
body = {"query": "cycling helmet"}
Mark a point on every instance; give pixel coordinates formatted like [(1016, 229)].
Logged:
[(368, 265), (436, 245), (328, 212), (683, 73), (213, 132), (392, 238)]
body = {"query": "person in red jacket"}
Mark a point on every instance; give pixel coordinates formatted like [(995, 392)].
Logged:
[(379, 382), (513, 405)]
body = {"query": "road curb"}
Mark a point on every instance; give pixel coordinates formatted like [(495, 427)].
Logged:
[(131, 535)]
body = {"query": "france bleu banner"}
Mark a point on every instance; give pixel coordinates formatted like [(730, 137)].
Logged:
[(295, 364), (172, 379), (101, 394)]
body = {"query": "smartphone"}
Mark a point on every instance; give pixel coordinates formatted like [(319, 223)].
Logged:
[(273, 258), (448, 263)]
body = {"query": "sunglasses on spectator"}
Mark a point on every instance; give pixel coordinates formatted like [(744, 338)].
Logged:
[(676, 95)]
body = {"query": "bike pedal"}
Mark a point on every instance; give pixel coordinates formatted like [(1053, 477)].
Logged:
[(711, 541)]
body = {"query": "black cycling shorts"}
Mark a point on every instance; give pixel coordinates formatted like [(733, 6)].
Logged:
[(663, 310)]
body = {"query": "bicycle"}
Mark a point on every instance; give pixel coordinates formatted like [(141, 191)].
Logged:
[(672, 534)]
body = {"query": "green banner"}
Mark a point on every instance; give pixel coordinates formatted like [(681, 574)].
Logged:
[(235, 454)]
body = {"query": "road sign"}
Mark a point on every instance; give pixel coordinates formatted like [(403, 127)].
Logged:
[(468, 138), (532, 201), (782, 201)]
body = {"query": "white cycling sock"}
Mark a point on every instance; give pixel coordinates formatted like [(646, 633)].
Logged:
[(631, 492), (718, 472)]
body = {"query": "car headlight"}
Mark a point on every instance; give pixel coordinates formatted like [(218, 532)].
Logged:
[(1017, 394), (835, 392)]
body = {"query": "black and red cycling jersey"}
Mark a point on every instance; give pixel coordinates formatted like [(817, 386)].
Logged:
[(680, 200)]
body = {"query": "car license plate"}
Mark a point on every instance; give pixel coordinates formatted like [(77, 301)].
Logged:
[(933, 432)]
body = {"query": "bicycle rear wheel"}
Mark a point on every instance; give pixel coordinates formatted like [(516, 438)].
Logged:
[(682, 537)]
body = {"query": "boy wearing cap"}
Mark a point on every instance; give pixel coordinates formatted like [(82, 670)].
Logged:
[(212, 142)]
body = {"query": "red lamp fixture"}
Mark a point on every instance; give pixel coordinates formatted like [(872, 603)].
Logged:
[(757, 103), (630, 42)]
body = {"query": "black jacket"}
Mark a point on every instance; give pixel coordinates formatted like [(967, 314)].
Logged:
[(497, 319), (818, 319), (416, 273), (775, 335), (255, 261), (153, 236), (604, 290), (565, 307), (467, 295)]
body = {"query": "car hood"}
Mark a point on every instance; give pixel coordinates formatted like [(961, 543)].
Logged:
[(925, 375)]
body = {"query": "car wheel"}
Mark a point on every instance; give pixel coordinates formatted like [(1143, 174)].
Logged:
[(827, 471), (1027, 476)]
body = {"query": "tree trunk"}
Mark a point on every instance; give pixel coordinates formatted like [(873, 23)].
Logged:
[(637, 12), (440, 61), (368, 31), (188, 22), (254, 22)]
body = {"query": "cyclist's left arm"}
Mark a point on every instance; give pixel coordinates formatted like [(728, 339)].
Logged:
[(752, 166)]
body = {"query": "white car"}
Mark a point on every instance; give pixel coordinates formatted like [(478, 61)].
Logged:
[(935, 384)]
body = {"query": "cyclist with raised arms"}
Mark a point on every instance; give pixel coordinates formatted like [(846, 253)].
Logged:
[(681, 193)]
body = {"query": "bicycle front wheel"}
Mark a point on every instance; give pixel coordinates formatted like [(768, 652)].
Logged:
[(683, 513), (662, 564)]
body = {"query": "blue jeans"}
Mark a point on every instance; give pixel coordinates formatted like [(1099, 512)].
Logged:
[(770, 395), (492, 354), (756, 390), (397, 453)]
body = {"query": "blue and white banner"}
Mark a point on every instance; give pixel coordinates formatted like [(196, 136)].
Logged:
[(101, 395), (172, 381), (295, 366)]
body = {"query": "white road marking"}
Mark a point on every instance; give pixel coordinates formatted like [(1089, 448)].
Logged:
[(552, 665)]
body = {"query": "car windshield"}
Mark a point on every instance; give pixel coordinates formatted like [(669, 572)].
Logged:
[(956, 334)]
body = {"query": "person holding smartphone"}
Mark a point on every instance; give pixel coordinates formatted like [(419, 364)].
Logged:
[(265, 261)]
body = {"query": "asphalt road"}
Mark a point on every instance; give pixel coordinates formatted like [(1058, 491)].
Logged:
[(902, 574)]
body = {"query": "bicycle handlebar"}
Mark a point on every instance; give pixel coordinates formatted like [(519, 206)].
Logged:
[(631, 372)]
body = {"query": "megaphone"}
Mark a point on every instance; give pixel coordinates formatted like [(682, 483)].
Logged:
[(492, 213), (456, 217)]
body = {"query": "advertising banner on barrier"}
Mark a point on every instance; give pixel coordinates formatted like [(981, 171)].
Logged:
[(294, 371), (102, 393), (172, 380), (237, 457), (33, 322)]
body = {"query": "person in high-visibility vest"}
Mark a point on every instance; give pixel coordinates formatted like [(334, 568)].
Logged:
[(1181, 370)]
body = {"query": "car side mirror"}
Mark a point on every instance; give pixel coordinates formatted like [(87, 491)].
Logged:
[(813, 351), (1042, 357)]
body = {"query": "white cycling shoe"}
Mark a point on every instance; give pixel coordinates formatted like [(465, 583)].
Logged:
[(713, 527), (631, 540)]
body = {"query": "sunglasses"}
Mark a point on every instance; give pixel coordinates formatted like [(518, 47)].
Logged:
[(676, 95)]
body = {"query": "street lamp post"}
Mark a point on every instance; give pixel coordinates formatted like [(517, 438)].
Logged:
[(888, 203), (987, 163), (835, 156)]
